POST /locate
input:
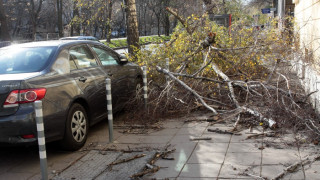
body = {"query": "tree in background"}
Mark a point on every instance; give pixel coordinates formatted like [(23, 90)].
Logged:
[(132, 27), (94, 16), (59, 11), (4, 33), (34, 8)]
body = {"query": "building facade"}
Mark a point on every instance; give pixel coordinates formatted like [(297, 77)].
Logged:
[(307, 29)]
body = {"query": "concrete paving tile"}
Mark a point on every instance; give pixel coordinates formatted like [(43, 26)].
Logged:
[(206, 158), (131, 146), (187, 147), (253, 158), (286, 138), (191, 131), (185, 139), (243, 138), (235, 171), (211, 147), (309, 150), (195, 124), (213, 179), (280, 157), (143, 139), (295, 176), (267, 149), (244, 147), (170, 168), (313, 171), (172, 123), (271, 171), (200, 170), (164, 132)]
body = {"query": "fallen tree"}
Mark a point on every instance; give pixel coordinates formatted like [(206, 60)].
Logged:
[(227, 73)]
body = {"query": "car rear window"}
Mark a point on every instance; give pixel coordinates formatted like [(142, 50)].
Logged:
[(24, 60)]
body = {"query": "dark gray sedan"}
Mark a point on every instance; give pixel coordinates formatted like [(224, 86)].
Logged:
[(69, 78)]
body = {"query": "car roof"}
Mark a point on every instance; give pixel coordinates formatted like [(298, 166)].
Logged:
[(51, 43), (79, 37)]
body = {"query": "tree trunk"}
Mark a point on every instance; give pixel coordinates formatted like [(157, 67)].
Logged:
[(225, 7), (158, 25), (132, 27), (166, 20), (166, 24), (59, 10), (109, 21), (75, 27), (4, 32), (34, 13)]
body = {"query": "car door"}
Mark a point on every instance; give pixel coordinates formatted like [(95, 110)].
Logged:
[(90, 78), (118, 74)]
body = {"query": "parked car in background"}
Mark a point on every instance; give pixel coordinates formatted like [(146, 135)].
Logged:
[(91, 38), (69, 78)]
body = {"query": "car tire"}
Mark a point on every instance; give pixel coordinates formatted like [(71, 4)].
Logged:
[(76, 130)]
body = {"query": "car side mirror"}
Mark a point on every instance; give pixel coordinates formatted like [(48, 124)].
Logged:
[(123, 59)]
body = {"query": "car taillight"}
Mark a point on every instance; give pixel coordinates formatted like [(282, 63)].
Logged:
[(17, 97)]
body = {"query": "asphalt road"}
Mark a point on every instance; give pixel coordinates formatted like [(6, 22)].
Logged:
[(23, 162)]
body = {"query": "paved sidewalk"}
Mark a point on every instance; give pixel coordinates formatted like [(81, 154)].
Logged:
[(224, 156)]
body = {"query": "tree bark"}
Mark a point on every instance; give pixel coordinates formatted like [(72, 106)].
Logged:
[(110, 3), (166, 21), (4, 32), (132, 27), (75, 27), (59, 11), (34, 13)]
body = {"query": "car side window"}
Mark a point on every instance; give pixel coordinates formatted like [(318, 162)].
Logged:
[(106, 57), (82, 57), (62, 65)]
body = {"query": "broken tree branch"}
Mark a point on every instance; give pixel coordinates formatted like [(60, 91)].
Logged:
[(215, 67), (180, 18), (197, 77), (153, 170), (127, 159), (200, 138), (166, 72), (293, 167), (271, 123), (223, 132)]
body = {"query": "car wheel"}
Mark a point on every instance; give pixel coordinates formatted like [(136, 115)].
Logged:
[(76, 130)]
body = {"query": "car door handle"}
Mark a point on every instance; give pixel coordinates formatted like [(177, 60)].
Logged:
[(82, 79)]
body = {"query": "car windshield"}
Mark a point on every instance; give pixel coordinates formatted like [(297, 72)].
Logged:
[(15, 60)]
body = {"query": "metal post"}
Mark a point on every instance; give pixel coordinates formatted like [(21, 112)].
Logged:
[(145, 87), (109, 108), (41, 139)]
